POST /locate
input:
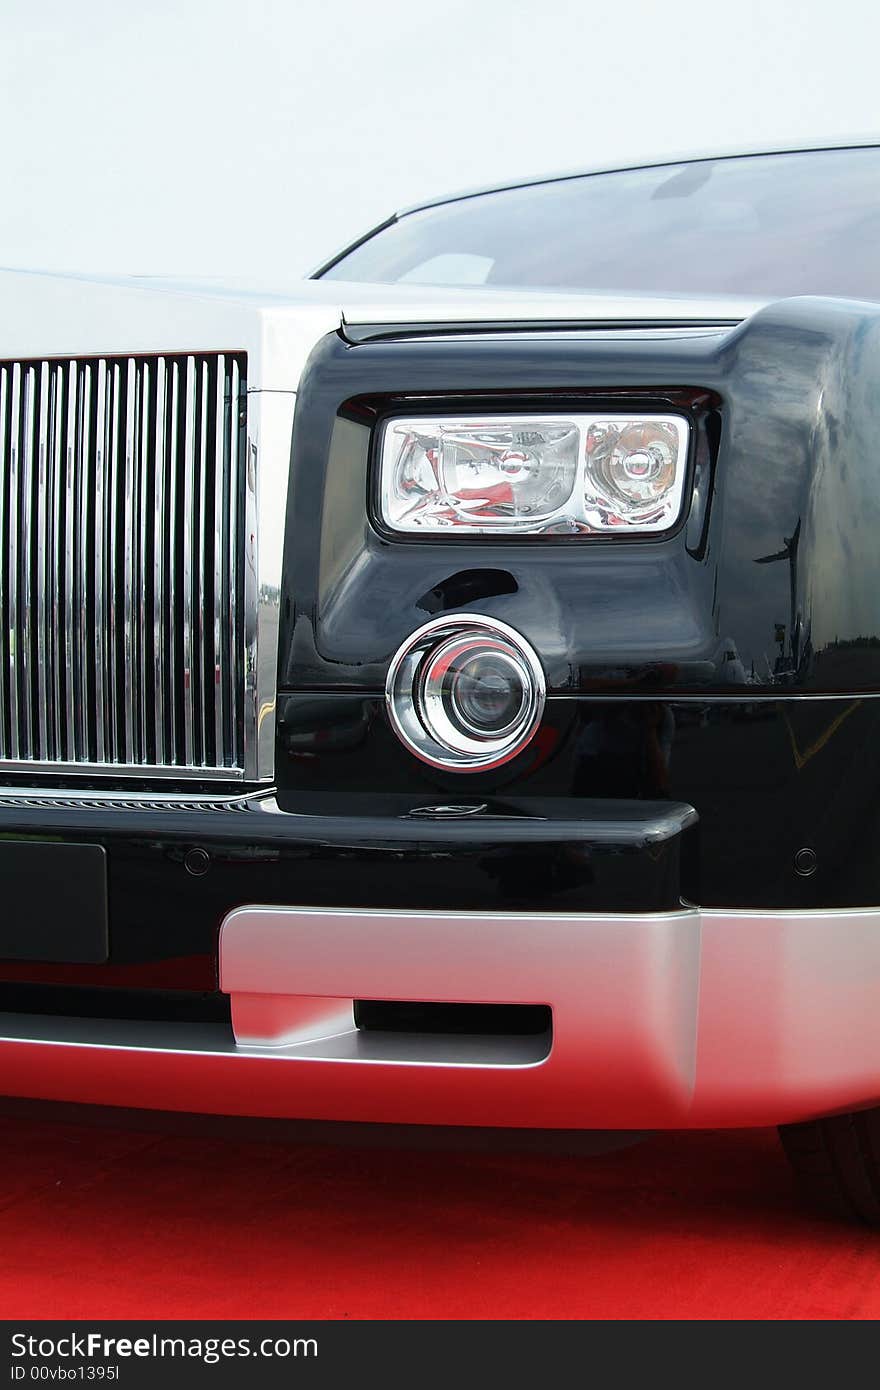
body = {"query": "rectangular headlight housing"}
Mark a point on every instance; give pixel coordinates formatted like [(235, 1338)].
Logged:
[(533, 475)]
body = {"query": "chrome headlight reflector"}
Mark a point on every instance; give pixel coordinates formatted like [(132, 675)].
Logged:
[(533, 475), (465, 693)]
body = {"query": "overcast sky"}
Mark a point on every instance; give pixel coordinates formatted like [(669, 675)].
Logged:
[(204, 136)]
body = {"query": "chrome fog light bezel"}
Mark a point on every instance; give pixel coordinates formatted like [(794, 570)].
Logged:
[(419, 706)]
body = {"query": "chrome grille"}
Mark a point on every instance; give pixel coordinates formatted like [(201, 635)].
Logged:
[(122, 564)]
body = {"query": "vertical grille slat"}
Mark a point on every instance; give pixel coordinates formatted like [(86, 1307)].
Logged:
[(111, 566), (170, 614), (10, 560), (44, 661), (144, 548), (202, 597), (221, 556), (159, 562), (70, 490), (25, 632), (121, 551), (128, 576), (85, 650), (189, 497), (234, 532), (55, 572), (97, 577)]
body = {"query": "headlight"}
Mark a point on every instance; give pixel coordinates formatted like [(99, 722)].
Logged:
[(533, 475), (465, 693)]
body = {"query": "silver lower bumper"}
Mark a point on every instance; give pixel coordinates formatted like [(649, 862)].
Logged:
[(683, 1019)]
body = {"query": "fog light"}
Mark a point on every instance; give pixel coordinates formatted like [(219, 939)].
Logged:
[(465, 693)]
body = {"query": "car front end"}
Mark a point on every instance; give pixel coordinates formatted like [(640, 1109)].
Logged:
[(432, 708)]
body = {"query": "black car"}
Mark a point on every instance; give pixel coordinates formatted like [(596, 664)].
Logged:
[(447, 693)]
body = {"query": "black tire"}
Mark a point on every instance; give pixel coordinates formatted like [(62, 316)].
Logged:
[(837, 1162)]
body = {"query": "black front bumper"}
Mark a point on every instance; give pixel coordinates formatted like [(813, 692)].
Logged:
[(174, 874)]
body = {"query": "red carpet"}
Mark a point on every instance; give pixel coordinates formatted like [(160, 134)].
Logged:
[(113, 1222)]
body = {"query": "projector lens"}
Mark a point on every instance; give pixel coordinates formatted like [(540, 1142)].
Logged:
[(465, 693)]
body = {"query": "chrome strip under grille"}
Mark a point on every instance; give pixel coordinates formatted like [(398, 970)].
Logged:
[(122, 565), (34, 799)]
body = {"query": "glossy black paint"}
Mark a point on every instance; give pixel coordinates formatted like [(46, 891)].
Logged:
[(543, 855), (774, 577), (767, 778)]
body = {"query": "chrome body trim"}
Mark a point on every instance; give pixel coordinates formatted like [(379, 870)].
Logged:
[(692, 1018), (410, 695), (76, 799), (270, 426), (344, 1045)]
